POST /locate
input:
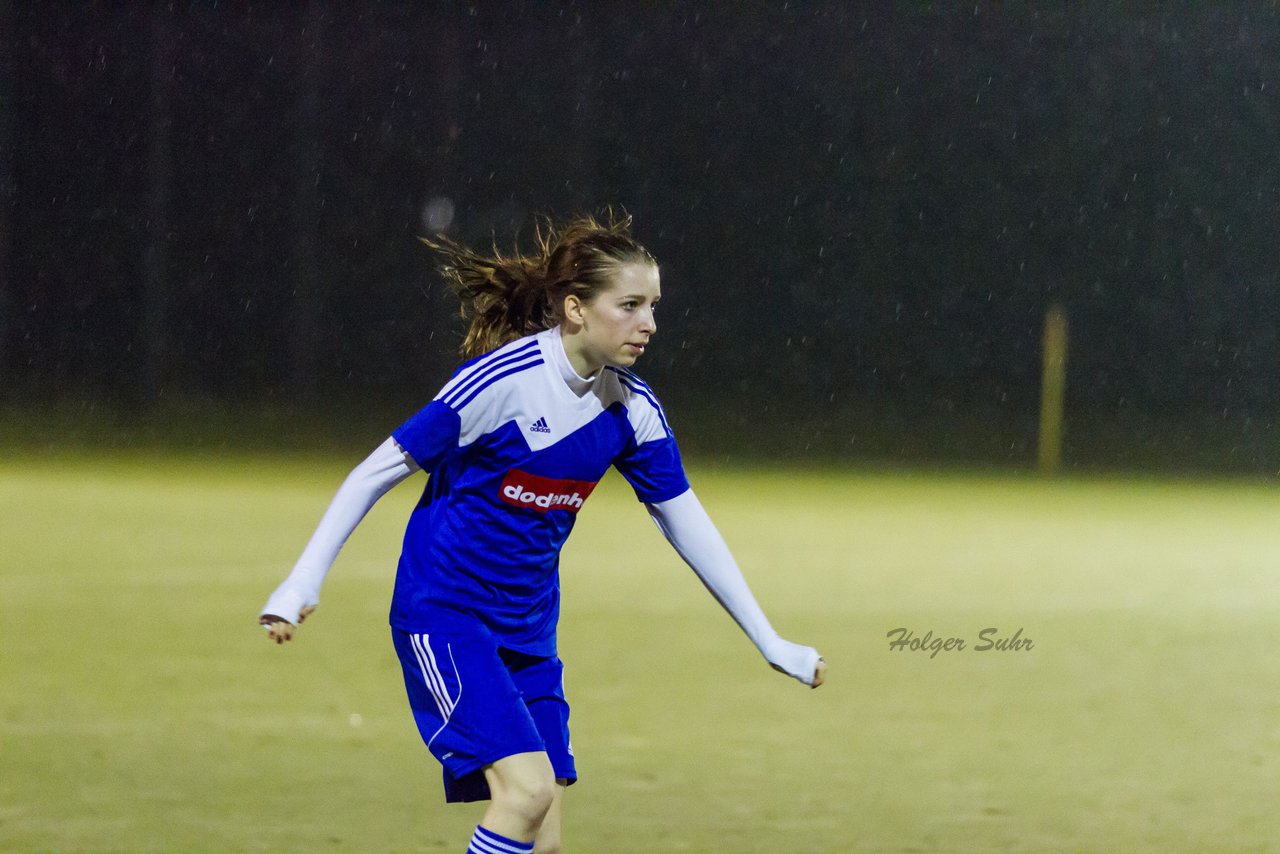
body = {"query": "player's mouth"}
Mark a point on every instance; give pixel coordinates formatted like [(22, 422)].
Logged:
[(637, 349)]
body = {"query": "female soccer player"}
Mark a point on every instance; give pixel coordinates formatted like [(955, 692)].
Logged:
[(514, 444)]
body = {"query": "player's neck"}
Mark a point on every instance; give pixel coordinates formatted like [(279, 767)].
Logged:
[(578, 377)]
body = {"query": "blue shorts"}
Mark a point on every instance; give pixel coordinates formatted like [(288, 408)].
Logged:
[(475, 703)]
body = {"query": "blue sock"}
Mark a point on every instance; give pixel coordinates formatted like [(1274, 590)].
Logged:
[(487, 842)]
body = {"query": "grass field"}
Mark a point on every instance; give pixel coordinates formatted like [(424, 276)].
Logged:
[(140, 708)]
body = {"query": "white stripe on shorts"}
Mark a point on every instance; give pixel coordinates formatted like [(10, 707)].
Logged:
[(431, 674), (434, 680)]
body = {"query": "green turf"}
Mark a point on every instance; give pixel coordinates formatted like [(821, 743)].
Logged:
[(140, 709)]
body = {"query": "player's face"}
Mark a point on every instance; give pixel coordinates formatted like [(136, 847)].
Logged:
[(618, 322)]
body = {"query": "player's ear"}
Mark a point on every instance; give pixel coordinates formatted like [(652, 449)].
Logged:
[(573, 308)]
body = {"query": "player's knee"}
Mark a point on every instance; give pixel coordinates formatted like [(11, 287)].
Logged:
[(529, 796)]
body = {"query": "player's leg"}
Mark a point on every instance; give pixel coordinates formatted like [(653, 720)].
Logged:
[(522, 789), (473, 719), (548, 839), (541, 684)]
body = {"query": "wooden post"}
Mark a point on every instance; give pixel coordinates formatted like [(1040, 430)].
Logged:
[(1052, 386), (8, 103), (306, 312), (156, 277)]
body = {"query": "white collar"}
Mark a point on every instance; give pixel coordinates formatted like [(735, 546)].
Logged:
[(578, 384)]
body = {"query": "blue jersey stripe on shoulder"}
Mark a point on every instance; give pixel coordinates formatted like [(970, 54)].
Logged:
[(633, 383), (487, 368), (492, 378), (476, 364), (635, 380)]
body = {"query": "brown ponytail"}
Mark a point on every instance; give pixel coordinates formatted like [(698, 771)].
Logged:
[(506, 297)]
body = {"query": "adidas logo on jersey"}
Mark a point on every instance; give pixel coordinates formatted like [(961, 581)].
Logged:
[(541, 494), (539, 426)]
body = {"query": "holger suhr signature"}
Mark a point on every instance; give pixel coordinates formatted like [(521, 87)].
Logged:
[(989, 640)]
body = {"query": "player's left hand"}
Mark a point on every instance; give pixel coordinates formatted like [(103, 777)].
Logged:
[(278, 628)]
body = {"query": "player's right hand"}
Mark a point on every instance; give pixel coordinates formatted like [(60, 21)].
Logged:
[(278, 628), (819, 672), (802, 663)]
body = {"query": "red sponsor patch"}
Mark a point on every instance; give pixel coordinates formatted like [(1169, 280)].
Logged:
[(522, 489)]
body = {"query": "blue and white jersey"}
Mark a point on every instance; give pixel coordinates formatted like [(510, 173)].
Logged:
[(512, 455)]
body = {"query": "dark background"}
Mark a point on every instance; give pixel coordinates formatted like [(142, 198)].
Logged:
[(862, 211)]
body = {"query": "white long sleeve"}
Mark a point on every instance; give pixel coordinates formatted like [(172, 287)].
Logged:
[(369, 481), (689, 529)]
